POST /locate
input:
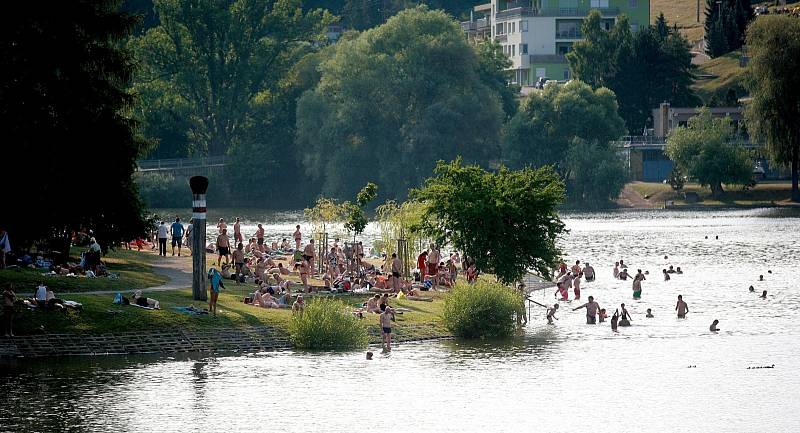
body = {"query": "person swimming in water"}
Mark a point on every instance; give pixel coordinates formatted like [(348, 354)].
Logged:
[(666, 275), (713, 327), (764, 295), (760, 278), (752, 289), (679, 271), (624, 275), (649, 314)]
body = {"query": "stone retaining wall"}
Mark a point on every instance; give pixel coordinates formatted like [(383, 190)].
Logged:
[(250, 339)]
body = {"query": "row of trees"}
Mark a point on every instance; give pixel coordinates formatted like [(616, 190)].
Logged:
[(643, 69), (726, 25)]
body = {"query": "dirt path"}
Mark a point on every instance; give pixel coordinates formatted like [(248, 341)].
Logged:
[(178, 271), (629, 198)]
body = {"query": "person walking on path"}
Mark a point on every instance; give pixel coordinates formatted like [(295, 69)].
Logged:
[(9, 297), (163, 234), (592, 308), (177, 235), (681, 307)]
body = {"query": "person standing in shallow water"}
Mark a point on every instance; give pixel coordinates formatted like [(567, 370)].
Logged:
[(681, 307), (614, 320), (592, 308), (625, 317), (637, 285), (713, 327)]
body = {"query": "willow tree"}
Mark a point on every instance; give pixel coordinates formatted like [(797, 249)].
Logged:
[(773, 114)]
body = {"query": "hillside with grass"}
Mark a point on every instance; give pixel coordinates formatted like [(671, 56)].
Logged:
[(683, 13), (716, 76)]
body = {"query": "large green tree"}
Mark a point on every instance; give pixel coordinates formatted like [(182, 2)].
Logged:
[(726, 24), (506, 220), (705, 151), (391, 102), (64, 113), (552, 127), (212, 63), (643, 68), (773, 114), (493, 69)]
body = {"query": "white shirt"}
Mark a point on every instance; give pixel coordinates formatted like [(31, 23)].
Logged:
[(41, 293), (162, 231)]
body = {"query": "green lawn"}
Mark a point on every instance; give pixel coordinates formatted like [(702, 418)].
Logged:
[(722, 73), (764, 194), (100, 315), (133, 268)]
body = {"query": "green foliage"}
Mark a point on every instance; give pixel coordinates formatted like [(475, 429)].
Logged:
[(482, 310), (494, 71), (218, 60), (400, 221), (677, 178), (643, 69), (726, 24), (70, 143), (598, 174), (703, 149), (327, 324), (547, 127), (773, 114), (506, 220), (392, 100), (164, 190), (356, 220), (325, 212)]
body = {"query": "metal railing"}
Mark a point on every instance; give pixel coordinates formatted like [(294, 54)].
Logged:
[(181, 163), (569, 34), (553, 12)]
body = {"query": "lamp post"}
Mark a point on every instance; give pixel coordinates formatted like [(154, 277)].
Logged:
[(199, 185)]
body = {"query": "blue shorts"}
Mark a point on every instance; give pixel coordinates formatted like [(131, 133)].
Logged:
[(387, 330)]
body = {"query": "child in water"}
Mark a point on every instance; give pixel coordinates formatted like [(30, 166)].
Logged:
[(602, 316), (551, 314)]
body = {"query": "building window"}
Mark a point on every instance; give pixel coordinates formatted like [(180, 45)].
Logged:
[(633, 4), (523, 48), (513, 50), (599, 3), (523, 26), (513, 27)]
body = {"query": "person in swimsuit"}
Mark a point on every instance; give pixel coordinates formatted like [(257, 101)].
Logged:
[(238, 260), (576, 285), (602, 316), (221, 225), (614, 319), (588, 272), (372, 304), (386, 328), (223, 247), (666, 275), (576, 267), (551, 314), (237, 230), (624, 317), (713, 327), (752, 289), (637, 285), (649, 314), (298, 237), (763, 295), (592, 308), (623, 275), (616, 270), (679, 271), (681, 307)]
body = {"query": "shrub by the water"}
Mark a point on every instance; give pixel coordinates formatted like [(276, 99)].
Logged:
[(327, 324), (482, 310)]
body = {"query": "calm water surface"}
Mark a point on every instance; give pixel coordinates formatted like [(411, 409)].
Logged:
[(568, 377)]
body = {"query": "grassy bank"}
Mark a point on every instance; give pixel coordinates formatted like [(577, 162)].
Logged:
[(100, 316), (683, 13), (134, 269), (764, 194), (719, 75)]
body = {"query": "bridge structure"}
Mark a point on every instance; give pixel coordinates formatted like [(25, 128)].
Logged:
[(183, 166)]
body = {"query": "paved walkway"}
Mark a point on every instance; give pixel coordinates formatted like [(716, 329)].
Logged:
[(631, 199)]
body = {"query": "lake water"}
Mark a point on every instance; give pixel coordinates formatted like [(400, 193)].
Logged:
[(661, 374)]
